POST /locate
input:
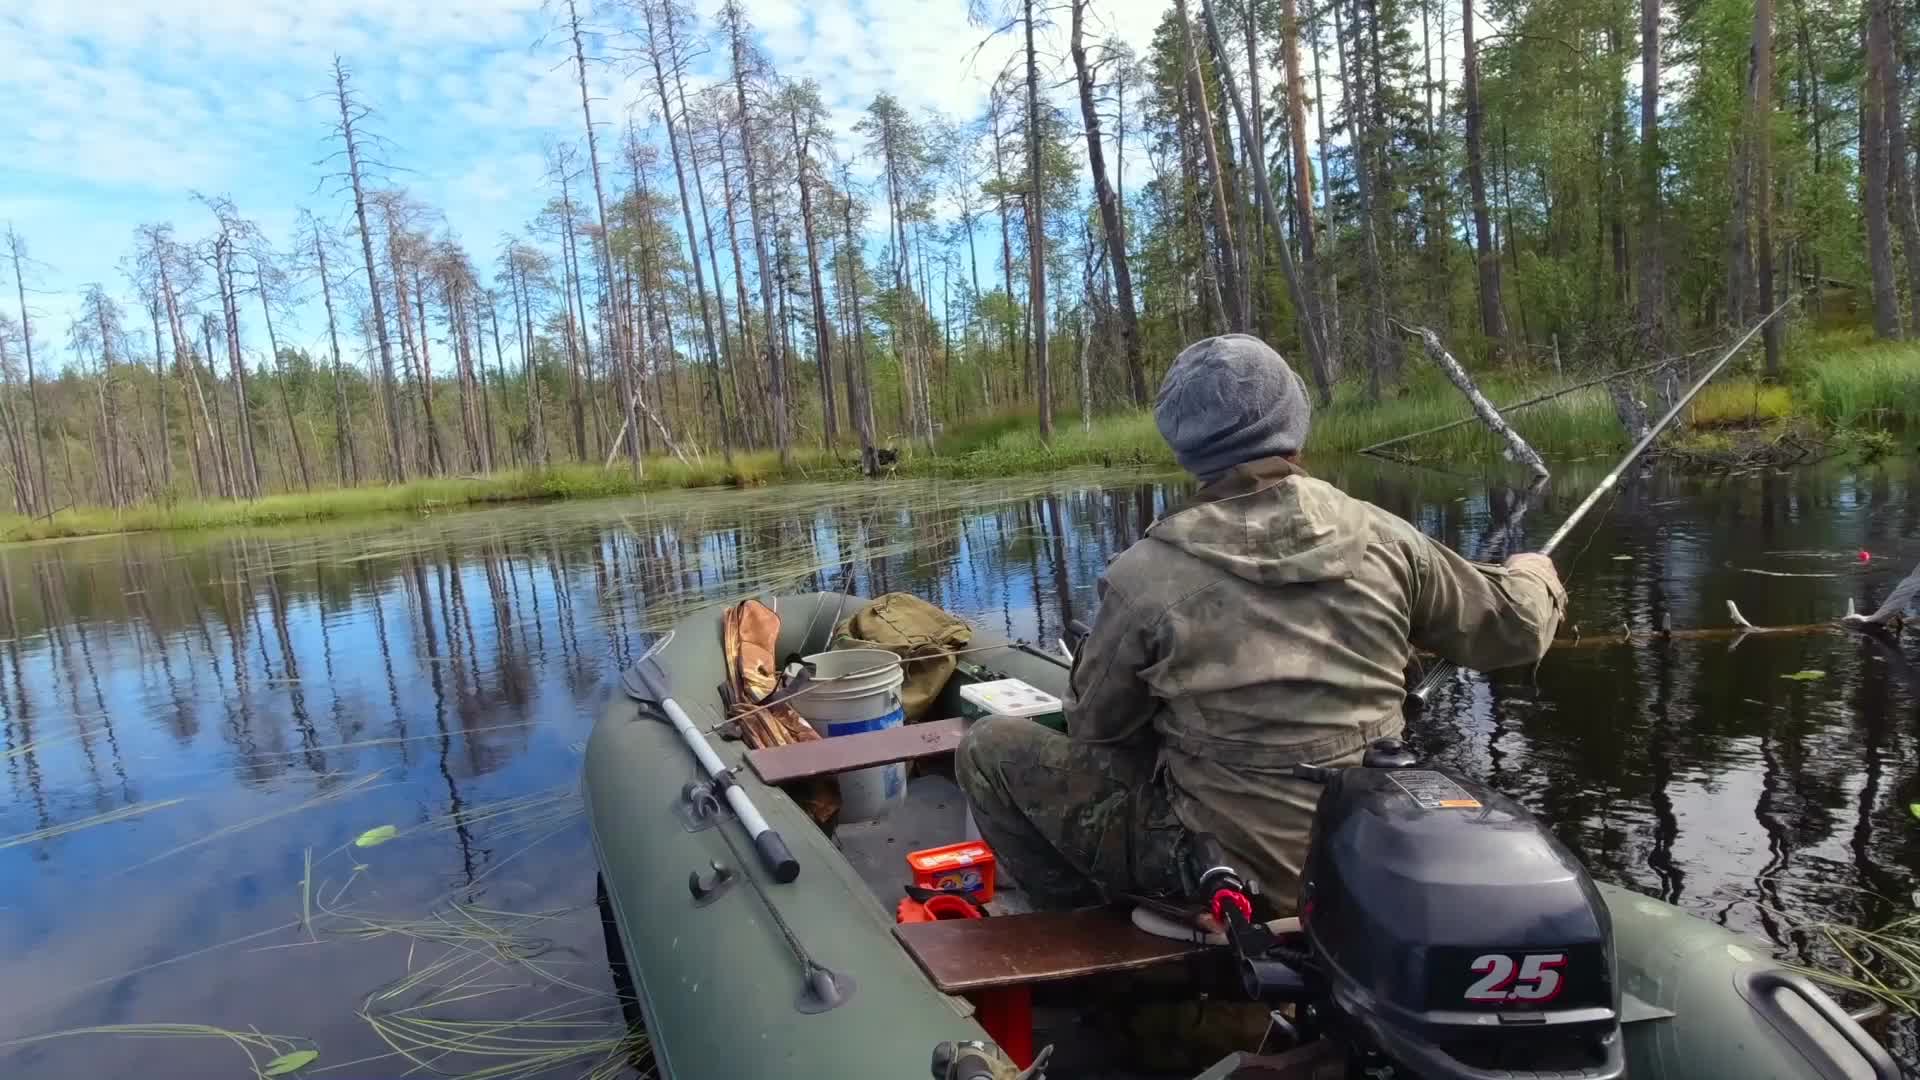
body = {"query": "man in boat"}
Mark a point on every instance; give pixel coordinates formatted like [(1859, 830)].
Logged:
[(1267, 625)]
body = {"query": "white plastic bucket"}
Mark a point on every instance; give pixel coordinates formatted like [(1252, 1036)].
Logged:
[(857, 690)]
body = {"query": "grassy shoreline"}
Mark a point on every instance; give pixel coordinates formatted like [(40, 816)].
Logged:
[(1842, 385)]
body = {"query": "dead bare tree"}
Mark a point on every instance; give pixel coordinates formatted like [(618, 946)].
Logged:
[(346, 458), (617, 347), (17, 253), (735, 22), (661, 46), (352, 113)]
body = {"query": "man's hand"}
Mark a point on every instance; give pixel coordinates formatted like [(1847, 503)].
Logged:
[(1536, 562)]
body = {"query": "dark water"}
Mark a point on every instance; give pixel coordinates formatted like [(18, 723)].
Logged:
[(260, 699)]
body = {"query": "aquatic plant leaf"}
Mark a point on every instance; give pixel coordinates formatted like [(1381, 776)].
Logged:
[(376, 836), (1914, 809), (289, 1063), (1809, 675)]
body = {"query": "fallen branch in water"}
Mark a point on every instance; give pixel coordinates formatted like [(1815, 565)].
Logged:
[(1893, 609), (1516, 446), (1743, 628)]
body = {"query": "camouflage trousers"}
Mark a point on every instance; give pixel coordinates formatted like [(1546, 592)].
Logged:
[(1074, 824)]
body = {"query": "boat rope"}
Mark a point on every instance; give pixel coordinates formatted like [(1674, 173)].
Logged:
[(808, 966)]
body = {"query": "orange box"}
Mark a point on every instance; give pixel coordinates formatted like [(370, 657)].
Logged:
[(966, 867)]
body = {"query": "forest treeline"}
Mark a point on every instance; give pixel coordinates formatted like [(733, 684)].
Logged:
[(713, 274)]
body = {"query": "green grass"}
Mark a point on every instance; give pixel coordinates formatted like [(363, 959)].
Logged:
[(1848, 382), (1740, 403)]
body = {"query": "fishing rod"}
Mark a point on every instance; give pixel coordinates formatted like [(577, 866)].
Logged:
[(1446, 667), (648, 683)]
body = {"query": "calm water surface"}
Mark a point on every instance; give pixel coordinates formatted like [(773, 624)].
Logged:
[(243, 705)]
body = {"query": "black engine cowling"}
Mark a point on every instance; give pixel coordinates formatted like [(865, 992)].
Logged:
[(1458, 938)]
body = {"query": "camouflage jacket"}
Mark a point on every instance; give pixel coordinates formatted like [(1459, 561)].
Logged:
[(1271, 624)]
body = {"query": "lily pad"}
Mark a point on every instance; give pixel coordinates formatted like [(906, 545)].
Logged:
[(380, 835), (1914, 808), (291, 1063), (1809, 675)]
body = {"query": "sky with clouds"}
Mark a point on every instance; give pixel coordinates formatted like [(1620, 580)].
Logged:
[(121, 110)]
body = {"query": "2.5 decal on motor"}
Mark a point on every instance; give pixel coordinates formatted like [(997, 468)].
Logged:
[(1534, 978), (1573, 977)]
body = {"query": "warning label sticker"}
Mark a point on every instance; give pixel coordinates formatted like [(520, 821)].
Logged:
[(1432, 790)]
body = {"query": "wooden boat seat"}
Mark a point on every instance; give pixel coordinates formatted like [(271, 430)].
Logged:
[(825, 757), (969, 955)]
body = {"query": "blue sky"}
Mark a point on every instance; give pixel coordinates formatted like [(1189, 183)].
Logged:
[(119, 110)]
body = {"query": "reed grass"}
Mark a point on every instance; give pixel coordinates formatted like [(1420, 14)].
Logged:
[(54, 832), (352, 787), (1849, 382), (1882, 964), (267, 1055)]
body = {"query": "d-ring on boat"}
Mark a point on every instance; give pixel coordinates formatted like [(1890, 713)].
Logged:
[(1440, 944)]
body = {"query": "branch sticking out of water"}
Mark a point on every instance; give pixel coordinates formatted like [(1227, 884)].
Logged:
[(1517, 447)]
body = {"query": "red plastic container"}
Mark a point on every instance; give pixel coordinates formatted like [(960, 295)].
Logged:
[(966, 867)]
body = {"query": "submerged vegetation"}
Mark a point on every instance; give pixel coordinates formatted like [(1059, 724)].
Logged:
[(434, 1018)]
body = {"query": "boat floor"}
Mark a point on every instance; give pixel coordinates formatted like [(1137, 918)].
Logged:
[(933, 814)]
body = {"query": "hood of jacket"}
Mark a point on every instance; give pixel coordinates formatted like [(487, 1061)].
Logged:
[(1270, 523)]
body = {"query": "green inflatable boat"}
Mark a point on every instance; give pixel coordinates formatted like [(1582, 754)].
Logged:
[(1447, 934)]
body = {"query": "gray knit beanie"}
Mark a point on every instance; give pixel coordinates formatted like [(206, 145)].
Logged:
[(1229, 400)]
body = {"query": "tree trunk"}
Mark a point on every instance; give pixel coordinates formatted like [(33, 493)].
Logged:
[(661, 20), (1899, 185), (822, 328), (396, 464), (1037, 245), (160, 399), (230, 481), (243, 409), (343, 441), (776, 362), (1493, 320), (1226, 264), (859, 391), (1652, 243), (1360, 122), (617, 348), (1324, 278), (1110, 220), (286, 401), (1006, 241), (1760, 127), (1875, 107), (436, 454), (1302, 164), (1305, 307), (742, 306)]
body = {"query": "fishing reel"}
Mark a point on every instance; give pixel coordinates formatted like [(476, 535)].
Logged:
[(975, 1060)]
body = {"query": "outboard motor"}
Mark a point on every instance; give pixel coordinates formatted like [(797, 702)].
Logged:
[(1455, 937)]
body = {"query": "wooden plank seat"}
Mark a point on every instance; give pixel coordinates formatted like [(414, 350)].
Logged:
[(844, 753), (971, 955)]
